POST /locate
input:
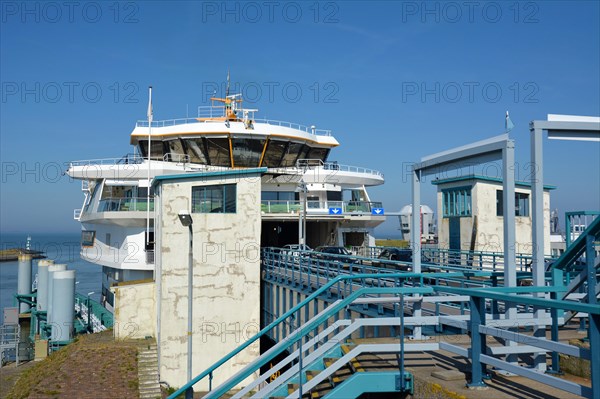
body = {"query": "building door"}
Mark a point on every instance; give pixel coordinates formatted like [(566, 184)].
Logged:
[(454, 239)]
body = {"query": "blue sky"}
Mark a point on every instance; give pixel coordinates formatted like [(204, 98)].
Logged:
[(395, 81)]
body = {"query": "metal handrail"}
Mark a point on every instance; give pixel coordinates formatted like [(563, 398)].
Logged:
[(309, 326), (287, 206), (127, 159), (123, 204), (317, 163), (273, 122), (176, 157)]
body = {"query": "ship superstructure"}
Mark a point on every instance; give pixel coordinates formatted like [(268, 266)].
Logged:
[(117, 214)]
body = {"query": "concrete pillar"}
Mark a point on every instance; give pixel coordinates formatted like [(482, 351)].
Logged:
[(24, 280), (42, 289), (51, 270), (63, 305)]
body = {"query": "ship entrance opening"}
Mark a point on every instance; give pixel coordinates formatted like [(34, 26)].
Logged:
[(356, 239), (280, 233)]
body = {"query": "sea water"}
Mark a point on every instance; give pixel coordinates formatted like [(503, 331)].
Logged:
[(62, 248)]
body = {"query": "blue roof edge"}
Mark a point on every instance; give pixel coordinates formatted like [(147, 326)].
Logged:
[(235, 172), (486, 178)]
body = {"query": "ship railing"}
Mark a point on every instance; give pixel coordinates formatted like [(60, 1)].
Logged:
[(77, 214), (297, 126), (209, 111), (127, 159), (167, 122), (176, 157), (125, 204), (318, 207), (219, 112), (353, 169), (312, 163)]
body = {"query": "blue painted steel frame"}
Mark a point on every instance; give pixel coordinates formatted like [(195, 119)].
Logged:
[(478, 369), (594, 324), (283, 318)]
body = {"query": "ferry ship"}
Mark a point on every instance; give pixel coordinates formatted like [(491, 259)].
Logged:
[(301, 191)]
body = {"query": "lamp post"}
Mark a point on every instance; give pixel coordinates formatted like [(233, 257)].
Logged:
[(302, 188), (89, 311), (186, 220)]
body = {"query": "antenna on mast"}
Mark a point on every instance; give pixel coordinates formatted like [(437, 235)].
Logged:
[(227, 91)]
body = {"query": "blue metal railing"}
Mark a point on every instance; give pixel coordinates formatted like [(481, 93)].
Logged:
[(304, 270), (103, 316), (399, 277)]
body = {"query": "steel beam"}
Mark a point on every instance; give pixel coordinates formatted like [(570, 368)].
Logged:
[(546, 379), (594, 319), (415, 232), (533, 341), (478, 369), (483, 151)]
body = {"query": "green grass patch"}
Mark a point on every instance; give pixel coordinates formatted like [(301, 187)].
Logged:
[(391, 243)]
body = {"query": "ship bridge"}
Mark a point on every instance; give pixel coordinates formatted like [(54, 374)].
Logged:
[(233, 143)]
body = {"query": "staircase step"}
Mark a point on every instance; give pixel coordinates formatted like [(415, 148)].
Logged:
[(293, 387), (150, 391), (328, 361), (148, 362), (148, 385), (356, 366), (310, 374)]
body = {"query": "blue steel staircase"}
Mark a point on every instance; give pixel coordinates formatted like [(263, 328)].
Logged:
[(314, 358), (321, 356)]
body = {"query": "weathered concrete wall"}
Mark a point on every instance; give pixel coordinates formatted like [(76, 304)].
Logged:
[(489, 236), (135, 310), (226, 272), (490, 228)]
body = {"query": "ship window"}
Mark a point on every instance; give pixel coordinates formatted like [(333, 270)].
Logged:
[(521, 204), (247, 152), (334, 195), (279, 196), (274, 153), (214, 199), (318, 153), (157, 149), (218, 152), (175, 152), (294, 152), (87, 238), (196, 150), (457, 201)]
